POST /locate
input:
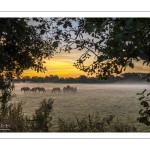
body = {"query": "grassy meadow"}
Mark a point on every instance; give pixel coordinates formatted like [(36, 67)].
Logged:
[(119, 100)]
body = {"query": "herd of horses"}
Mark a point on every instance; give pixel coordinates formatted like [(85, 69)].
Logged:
[(65, 89), (34, 89), (69, 88), (55, 89)]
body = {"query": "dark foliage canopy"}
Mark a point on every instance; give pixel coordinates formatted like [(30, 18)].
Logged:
[(117, 43), (22, 45)]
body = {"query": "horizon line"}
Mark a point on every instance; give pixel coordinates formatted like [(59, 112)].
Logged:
[(86, 75)]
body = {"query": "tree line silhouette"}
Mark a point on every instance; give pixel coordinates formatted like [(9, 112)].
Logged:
[(83, 79)]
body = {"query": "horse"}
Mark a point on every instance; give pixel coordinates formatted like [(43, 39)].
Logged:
[(55, 89), (25, 89), (41, 89), (69, 88), (33, 89), (65, 89), (74, 89)]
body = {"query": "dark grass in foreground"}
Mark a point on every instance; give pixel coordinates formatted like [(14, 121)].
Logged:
[(118, 100), (40, 121), (104, 124)]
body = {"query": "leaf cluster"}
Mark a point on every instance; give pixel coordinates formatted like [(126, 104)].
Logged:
[(23, 44), (145, 111), (116, 43)]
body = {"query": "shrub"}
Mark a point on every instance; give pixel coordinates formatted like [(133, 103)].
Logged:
[(14, 117), (41, 121), (96, 124)]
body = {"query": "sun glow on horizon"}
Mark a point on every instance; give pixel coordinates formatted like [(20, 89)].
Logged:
[(62, 66)]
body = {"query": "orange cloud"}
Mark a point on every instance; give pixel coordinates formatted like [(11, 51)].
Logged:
[(62, 65)]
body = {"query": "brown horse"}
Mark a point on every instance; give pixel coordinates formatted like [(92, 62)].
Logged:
[(25, 89), (73, 89), (69, 88), (34, 89), (41, 89), (65, 89), (57, 89)]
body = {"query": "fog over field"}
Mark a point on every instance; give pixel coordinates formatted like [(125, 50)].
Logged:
[(119, 100)]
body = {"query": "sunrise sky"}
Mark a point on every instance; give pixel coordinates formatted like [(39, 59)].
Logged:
[(62, 65)]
